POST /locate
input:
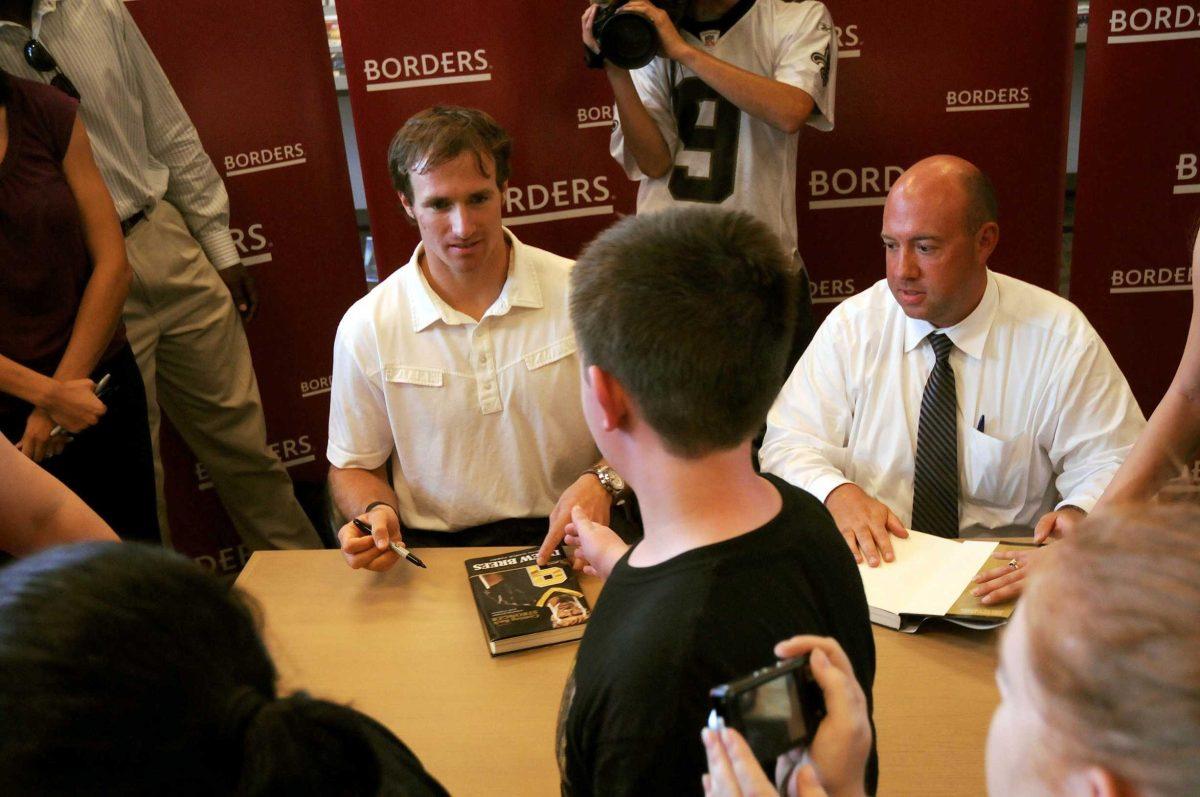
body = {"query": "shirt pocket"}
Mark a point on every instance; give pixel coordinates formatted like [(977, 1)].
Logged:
[(995, 471), (406, 375), (548, 355)]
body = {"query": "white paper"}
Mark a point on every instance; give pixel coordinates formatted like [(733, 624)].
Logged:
[(927, 575)]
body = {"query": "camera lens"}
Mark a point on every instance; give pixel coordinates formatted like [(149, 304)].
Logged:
[(628, 40)]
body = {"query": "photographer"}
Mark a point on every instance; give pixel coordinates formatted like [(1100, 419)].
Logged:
[(715, 118)]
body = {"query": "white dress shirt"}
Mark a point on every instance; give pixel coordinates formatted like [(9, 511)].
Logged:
[(1045, 417), (482, 421), (143, 141)]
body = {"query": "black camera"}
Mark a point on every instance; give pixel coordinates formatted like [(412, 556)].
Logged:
[(629, 40), (776, 708)]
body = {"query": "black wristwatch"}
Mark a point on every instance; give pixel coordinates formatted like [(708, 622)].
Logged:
[(610, 480)]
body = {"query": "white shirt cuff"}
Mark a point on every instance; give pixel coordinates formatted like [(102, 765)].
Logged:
[(825, 484), (1086, 503), (219, 247)]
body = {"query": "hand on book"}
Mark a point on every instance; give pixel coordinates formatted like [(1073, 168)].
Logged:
[(1005, 583), (597, 547), (587, 492), (865, 523), (371, 551)]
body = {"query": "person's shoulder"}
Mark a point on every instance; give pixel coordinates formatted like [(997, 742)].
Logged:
[(546, 263), (797, 14), (40, 98), (387, 300), (1034, 308), (869, 308), (801, 508)]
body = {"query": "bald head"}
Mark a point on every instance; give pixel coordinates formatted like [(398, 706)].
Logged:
[(939, 229), (950, 179)]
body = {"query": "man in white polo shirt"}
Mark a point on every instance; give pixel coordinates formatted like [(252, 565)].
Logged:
[(459, 370), (949, 398)]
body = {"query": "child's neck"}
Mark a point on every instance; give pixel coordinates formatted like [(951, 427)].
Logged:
[(691, 503)]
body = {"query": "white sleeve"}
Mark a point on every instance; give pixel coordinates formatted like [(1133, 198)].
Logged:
[(193, 184), (808, 427), (653, 84), (1095, 423), (807, 56), (360, 435)]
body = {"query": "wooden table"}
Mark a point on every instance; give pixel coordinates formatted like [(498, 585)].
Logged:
[(407, 648)]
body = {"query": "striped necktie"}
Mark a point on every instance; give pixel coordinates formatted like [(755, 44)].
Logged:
[(935, 476)]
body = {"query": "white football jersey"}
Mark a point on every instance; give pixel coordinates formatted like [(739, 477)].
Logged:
[(724, 156)]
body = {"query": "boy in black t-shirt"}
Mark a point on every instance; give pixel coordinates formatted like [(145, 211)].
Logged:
[(684, 319)]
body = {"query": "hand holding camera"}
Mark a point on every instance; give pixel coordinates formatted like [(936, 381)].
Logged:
[(629, 33), (840, 739)]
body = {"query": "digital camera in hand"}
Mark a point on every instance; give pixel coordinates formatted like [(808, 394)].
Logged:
[(629, 40), (776, 709)]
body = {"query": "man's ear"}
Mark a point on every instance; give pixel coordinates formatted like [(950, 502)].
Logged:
[(610, 397), (986, 240), (404, 203)]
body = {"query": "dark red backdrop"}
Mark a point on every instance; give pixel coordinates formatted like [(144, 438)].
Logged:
[(256, 80)]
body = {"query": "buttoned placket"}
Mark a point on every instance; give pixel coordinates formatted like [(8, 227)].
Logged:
[(483, 365)]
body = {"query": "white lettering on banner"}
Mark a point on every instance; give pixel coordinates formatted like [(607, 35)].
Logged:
[(1154, 24), (597, 116), (832, 291), (1185, 171), (429, 69), (988, 99), (849, 43), (227, 560), (1151, 280), (261, 160), (251, 244), (855, 188), (562, 199), (315, 387), (291, 452)]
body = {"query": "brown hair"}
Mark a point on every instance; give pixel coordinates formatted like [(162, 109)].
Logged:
[(439, 134), (1114, 631), (692, 311)]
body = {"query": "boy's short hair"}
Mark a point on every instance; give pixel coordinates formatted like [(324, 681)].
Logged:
[(439, 134), (692, 310)]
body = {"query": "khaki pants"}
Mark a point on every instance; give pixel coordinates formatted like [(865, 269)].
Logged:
[(195, 362)]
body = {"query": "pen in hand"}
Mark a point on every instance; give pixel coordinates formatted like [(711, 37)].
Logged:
[(96, 391), (397, 547)]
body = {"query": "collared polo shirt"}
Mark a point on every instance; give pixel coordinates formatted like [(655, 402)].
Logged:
[(481, 421)]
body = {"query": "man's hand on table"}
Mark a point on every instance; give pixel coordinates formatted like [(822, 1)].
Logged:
[(1006, 582), (865, 523), (597, 547), (372, 551), (588, 493)]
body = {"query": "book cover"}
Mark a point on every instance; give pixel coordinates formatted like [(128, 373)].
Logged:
[(523, 605)]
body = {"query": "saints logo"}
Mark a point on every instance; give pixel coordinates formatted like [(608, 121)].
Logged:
[(821, 59)]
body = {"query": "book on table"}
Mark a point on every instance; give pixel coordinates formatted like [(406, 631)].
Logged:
[(931, 577), (522, 605)]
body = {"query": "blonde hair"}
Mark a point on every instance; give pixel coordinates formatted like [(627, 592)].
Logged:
[(1113, 616)]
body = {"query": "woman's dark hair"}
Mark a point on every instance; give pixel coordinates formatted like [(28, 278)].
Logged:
[(5, 89), (129, 670)]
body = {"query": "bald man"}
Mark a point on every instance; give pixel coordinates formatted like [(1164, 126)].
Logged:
[(949, 398)]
